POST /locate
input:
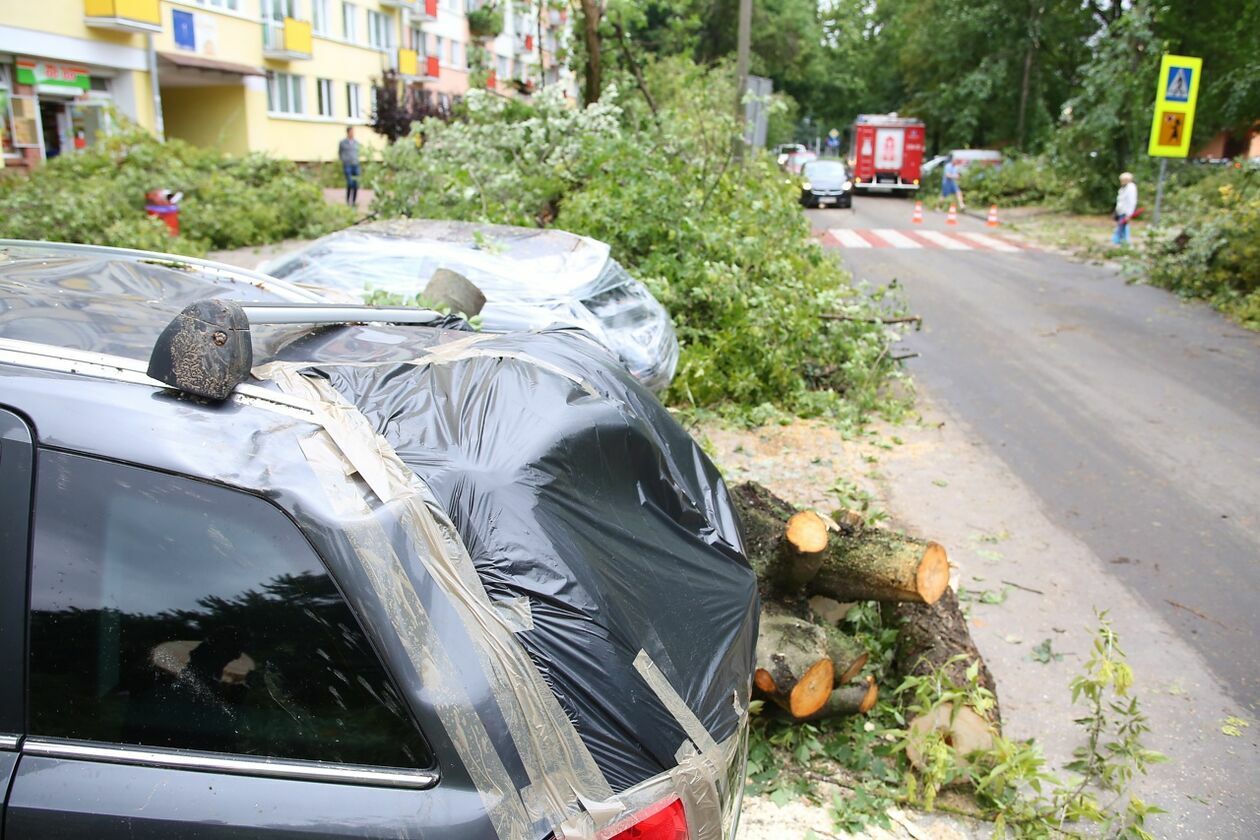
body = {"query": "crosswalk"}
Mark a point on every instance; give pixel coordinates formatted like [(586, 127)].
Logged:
[(919, 239)]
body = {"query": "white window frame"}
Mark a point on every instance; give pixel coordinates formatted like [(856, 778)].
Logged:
[(419, 40), (324, 97), (319, 17), (278, 10), (350, 21), (285, 93), (379, 30), (354, 100), (230, 5)]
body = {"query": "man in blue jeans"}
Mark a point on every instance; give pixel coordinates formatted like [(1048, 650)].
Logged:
[(348, 153)]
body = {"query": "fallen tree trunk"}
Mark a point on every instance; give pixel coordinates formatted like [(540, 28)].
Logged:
[(856, 699), (872, 564), (933, 639), (855, 563), (794, 668)]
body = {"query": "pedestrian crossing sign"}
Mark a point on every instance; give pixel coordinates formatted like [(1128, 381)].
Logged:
[(1175, 95)]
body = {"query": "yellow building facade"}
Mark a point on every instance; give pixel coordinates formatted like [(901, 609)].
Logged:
[(281, 76)]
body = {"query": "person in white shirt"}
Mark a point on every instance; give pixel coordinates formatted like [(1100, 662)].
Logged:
[(1126, 206)]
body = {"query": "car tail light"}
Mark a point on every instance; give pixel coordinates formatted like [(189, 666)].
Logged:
[(663, 821)]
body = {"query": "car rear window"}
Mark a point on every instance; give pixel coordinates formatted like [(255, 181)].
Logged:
[(168, 612)]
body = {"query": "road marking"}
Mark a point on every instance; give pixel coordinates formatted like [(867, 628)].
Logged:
[(990, 242), (919, 239), (849, 238), (895, 239), (943, 240)]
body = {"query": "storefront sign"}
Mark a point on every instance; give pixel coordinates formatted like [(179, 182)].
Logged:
[(52, 74)]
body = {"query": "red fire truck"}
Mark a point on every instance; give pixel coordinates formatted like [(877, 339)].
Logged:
[(887, 152)]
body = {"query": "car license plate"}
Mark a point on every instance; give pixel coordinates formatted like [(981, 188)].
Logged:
[(827, 199)]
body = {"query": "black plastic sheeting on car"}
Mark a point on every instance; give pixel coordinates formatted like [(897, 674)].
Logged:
[(589, 499)]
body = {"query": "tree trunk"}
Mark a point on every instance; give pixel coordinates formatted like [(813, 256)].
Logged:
[(590, 26), (1034, 38), (857, 564), (794, 668), (871, 564), (636, 70), (856, 699), (934, 638)]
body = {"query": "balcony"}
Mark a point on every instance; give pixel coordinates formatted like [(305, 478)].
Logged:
[(421, 10), (288, 41), (431, 69), (123, 15), (406, 63)]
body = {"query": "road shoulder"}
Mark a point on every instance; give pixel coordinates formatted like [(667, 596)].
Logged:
[(937, 479)]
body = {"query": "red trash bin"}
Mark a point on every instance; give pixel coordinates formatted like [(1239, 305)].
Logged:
[(164, 205)]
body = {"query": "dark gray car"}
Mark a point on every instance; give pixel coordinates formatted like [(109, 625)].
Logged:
[(826, 183), (270, 569)]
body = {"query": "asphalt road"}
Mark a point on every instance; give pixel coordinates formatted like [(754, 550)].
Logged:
[(1134, 417)]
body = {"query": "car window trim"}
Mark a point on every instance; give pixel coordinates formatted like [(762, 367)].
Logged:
[(276, 768), (9, 742)]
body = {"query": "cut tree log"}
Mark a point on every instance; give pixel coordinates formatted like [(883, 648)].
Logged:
[(847, 654), (856, 699), (857, 564), (873, 564), (804, 548), (934, 638), (794, 668), (801, 660)]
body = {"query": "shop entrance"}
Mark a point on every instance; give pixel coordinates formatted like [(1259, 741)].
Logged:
[(69, 125), (54, 117)]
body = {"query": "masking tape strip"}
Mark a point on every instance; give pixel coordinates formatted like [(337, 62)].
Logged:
[(492, 353), (558, 761), (677, 707), (516, 613), (413, 625)]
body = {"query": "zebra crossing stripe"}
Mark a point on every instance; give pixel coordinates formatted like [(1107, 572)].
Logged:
[(942, 240), (849, 238), (989, 242), (895, 239)]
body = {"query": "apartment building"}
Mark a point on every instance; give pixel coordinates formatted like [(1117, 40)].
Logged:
[(282, 76)]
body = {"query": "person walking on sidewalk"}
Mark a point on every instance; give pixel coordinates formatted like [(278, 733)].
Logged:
[(348, 153), (1126, 206)]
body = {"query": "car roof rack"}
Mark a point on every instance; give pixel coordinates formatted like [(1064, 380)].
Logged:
[(206, 349)]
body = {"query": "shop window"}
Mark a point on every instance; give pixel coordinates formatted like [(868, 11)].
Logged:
[(6, 115)]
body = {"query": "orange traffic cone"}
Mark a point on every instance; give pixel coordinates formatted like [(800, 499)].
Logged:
[(952, 218), (992, 222), (917, 218)]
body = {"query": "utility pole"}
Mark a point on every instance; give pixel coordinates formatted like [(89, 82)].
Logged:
[(744, 46)]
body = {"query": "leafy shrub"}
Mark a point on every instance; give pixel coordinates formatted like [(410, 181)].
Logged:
[(724, 246), (97, 196), (1019, 181), (1216, 256)]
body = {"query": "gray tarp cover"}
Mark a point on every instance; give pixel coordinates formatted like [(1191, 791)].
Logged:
[(581, 493)]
